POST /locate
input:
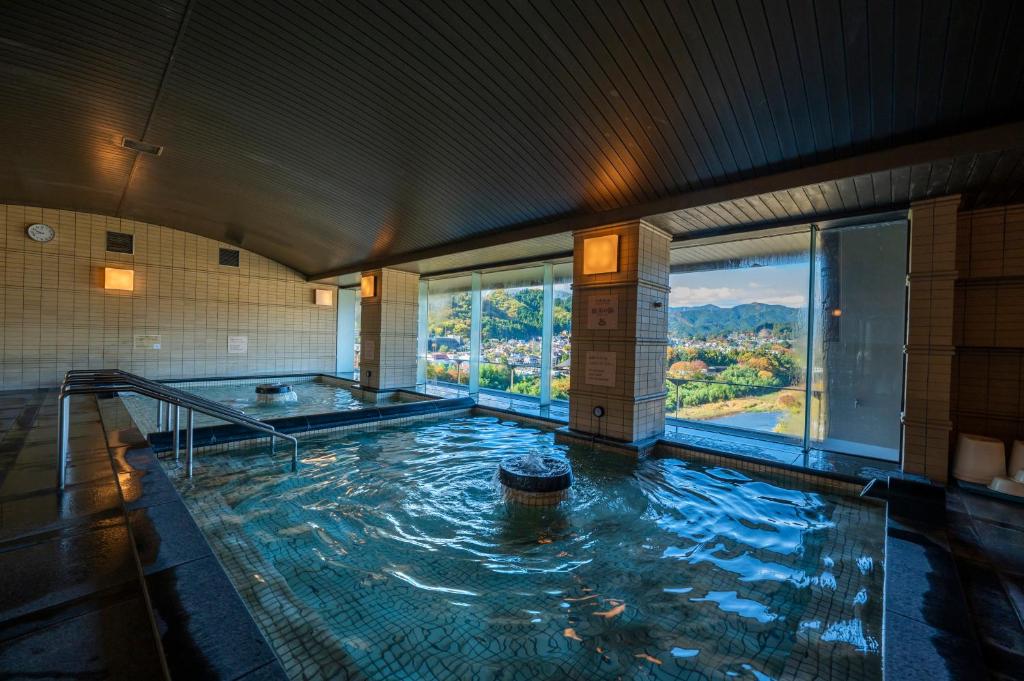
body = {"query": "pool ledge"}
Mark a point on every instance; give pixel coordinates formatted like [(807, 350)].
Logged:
[(927, 632), (205, 628)]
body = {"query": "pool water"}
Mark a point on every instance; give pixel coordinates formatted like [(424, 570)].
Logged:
[(391, 555), (312, 397)]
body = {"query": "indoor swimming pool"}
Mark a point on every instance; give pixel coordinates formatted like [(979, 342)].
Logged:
[(392, 554)]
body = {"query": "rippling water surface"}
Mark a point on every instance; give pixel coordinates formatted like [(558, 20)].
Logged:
[(392, 555), (312, 397)]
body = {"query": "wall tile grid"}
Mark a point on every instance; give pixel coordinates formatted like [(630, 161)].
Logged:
[(389, 323), (55, 314), (988, 385), (927, 424), (634, 405)]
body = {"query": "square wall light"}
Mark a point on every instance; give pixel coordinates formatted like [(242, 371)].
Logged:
[(601, 254), (116, 279), (324, 297), (368, 286)]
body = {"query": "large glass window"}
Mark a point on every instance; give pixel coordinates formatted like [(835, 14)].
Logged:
[(448, 331), (356, 332), (511, 331), (738, 334), (561, 330), (859, 319)]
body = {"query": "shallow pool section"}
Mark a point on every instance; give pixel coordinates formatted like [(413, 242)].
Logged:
[(391, 555), (313, 395)]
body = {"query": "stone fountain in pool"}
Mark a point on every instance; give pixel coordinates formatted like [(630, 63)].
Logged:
[(535, 479)]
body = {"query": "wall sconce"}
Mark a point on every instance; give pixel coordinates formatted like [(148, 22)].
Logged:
[(115, 279), (324, 297), (368, 286), (837, 312), (601, 254)]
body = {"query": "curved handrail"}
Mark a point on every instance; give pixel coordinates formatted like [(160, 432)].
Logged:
[(92, 381)]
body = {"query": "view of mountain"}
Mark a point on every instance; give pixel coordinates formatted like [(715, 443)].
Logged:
[(711, 320)]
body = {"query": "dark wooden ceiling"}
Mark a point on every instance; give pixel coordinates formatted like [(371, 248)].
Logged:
[(330, 134)]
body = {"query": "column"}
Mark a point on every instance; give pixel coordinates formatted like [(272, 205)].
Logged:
[(388, 329), (347, 302), (475, 330), (546, 332), (930, 296), (619, 331)]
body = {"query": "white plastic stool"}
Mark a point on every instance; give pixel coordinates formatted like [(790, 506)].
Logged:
[(979, 459)]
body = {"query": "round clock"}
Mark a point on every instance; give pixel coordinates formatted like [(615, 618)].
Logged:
[(40, 232)]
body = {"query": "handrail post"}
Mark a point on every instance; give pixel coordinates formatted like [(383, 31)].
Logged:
[(159, 415), (177, 434), (189, 421), (295, 456)]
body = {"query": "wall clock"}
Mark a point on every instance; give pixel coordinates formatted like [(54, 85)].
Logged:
[(40, 232)]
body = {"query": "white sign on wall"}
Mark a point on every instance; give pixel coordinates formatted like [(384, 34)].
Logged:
[(366, 351), (600, 369), (147, 342), (238, 345), (603, 312)]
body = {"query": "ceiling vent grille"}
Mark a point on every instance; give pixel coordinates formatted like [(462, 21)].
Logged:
[(229, 257), (119, 242), (141, 147)]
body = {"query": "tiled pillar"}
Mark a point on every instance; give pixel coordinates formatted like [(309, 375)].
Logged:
[(388, 330), (926, 422), (619, 336)]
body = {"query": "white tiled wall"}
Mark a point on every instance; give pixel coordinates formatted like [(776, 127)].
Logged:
[(55, 314), (634, 405), (389, 322)]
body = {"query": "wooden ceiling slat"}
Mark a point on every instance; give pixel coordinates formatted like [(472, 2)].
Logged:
[(755, 121), (857, 67), (682, 27), (699, 126), (558, 62), (932, 49), (637, 56), (618, 62), (881, 44), (759, 71), (644, 161), (771, 34), (331, 135)]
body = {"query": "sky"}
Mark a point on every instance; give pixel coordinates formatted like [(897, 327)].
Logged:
[(776, 285)]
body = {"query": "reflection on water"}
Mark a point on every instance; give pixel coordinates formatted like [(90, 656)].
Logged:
[(392, 555), (311, 397)]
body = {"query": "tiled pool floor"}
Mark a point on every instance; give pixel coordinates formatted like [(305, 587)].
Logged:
[(391, 555)]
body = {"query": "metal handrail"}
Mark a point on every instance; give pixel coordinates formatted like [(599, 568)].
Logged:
[(92, 381)]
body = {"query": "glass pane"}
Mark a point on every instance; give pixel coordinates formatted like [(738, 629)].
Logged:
[(356, 333), (511, 317), (448, 327), (738, 334), (560, 345), (859, 319)]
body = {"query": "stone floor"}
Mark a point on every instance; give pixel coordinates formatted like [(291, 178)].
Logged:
[(72, 600), (110, 578), (987, 539)]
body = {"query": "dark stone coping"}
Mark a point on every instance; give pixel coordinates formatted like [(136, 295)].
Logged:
[(207, 436), (926, 623), (206, 630)]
